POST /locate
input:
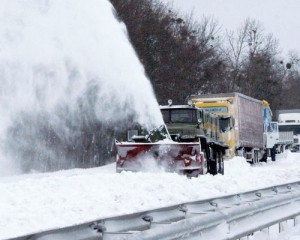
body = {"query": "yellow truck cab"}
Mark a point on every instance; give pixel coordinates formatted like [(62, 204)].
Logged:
[(222, 107), (241, 122)]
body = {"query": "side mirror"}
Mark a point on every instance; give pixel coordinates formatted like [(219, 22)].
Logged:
[(199, 121)]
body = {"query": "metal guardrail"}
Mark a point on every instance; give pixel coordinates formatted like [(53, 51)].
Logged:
[(227, 217)]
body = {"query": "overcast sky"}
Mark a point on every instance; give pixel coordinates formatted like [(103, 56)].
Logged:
[(279, 17)]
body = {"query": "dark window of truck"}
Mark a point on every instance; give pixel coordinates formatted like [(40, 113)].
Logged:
[(224, 125), (179, 115), (290, 128)]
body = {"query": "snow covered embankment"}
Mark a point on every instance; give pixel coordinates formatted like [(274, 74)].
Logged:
[(37, 202)]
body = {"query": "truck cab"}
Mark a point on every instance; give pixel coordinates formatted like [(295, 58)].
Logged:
[(223, 108), (187, 123), (183, 122)]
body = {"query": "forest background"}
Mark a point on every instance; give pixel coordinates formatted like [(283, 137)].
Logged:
[(184, 56)]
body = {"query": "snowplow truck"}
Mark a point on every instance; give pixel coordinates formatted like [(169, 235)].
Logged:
[(154, 149), (187, 123), (187, 144)]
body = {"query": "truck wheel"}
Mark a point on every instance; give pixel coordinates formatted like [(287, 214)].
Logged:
[(256, 156), (205, 167), (216, 166), (265, 156), (221, 164), (273, 154), (213, 166)]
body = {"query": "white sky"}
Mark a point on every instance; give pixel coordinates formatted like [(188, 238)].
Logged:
[(279, 17), (35, 202)]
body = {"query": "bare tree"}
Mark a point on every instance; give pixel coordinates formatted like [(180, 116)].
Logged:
[(252, 57), (234, 53), (289, 97)]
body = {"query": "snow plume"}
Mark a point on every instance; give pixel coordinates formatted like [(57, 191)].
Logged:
[(67, 69)]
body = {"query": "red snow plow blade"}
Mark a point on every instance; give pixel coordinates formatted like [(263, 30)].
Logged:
[(184, 158)]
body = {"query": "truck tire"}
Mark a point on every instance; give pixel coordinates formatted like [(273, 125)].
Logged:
[(264, 157), (221, 163), (273, 154), (205, 167), (255, 157), (216, 165), (212, 166)]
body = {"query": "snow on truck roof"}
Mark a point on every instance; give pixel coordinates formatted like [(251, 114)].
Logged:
[(288, 114), (288, 111)]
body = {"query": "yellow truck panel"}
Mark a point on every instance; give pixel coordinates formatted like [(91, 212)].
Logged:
[(242, 128)]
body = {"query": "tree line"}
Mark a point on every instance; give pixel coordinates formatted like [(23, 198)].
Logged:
[(183, 56)]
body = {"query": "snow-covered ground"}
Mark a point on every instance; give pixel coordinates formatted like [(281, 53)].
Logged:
[(40, 201)]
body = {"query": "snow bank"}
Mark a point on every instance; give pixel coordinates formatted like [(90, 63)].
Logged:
[(35, 202)]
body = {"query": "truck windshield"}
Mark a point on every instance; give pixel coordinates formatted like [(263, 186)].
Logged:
[(289, 128), (224, 124), (179, 115)]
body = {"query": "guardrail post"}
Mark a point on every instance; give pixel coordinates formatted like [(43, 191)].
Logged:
[(296, 220), (183, 208), (279, 227), (99, 226), (282, 226), (148, 219)]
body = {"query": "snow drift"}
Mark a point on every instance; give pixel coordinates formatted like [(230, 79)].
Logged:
[(67, 69)]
